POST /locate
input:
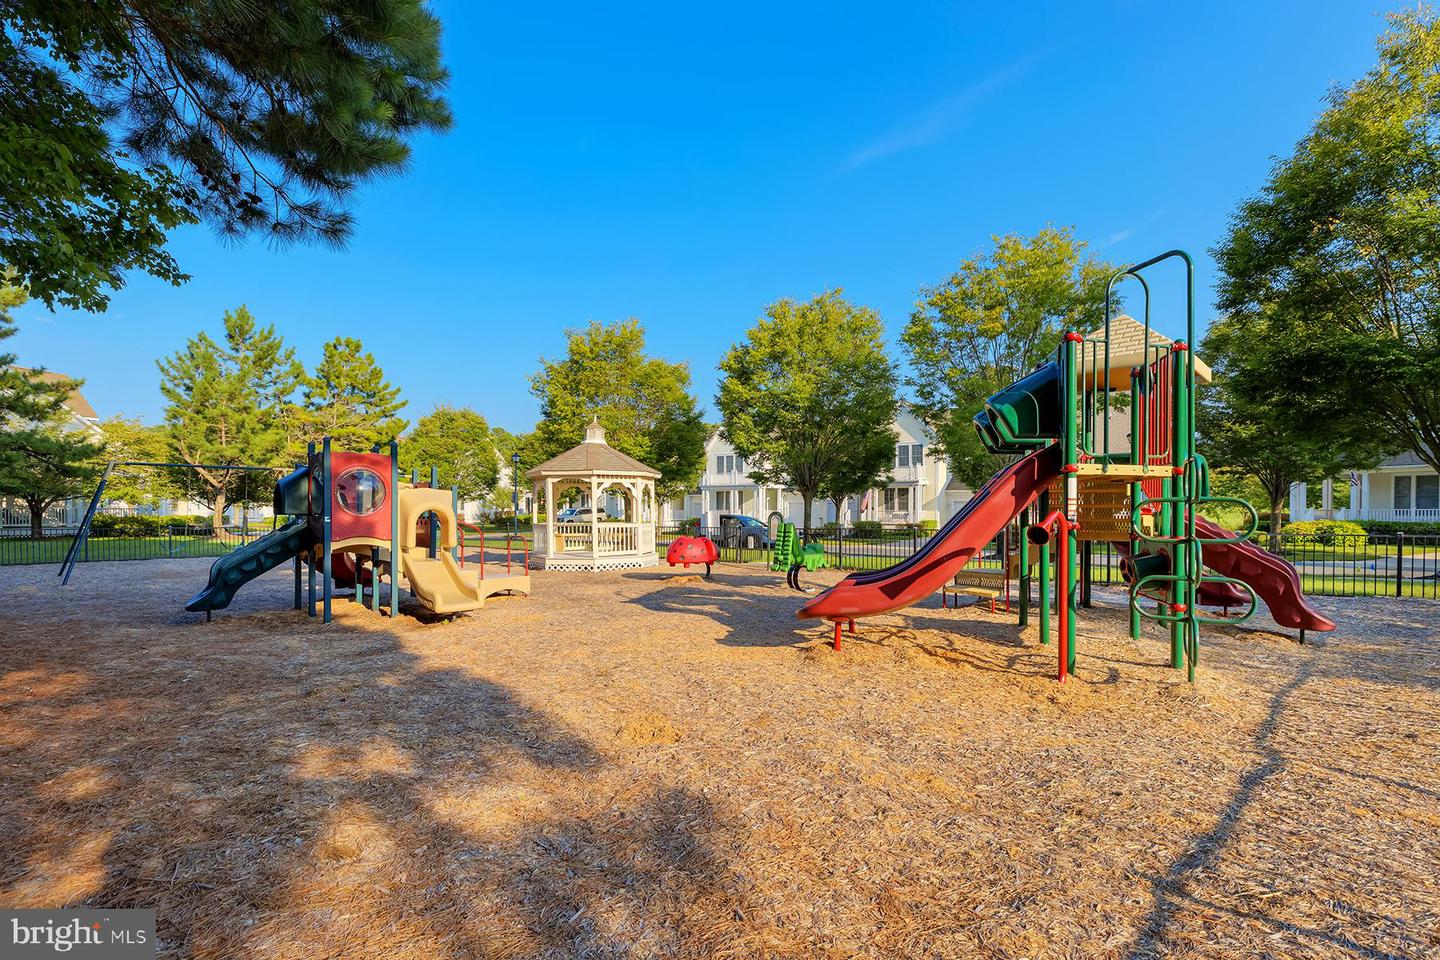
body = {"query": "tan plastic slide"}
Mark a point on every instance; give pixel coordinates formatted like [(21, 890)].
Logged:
[(439, 583)]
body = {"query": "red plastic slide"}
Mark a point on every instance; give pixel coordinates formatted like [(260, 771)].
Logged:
[(1273, 578), (965, 534)]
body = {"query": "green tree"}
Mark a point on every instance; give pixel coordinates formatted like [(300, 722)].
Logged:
[(988, 324), (458, 441), (808, 399), (119, 122), (349, 400), (1244, 433), (1339, 253), (227, 405), (42, 460), (644, 403), (127, 439)]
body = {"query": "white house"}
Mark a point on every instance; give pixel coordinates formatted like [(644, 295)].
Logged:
[(1403, 487), (921, 487)]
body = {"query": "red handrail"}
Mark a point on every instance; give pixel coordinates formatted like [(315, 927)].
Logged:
[(1058, 520), (462, 526)]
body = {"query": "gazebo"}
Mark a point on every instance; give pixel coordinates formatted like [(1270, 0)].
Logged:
[(596, 541)]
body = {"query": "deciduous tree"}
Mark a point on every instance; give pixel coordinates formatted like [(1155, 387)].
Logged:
[(808, 399), (988, 324), (643, 402), (456, 440), (1339, 254)]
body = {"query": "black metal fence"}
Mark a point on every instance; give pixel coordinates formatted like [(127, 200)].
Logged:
[(153, 539), (1340, 565)]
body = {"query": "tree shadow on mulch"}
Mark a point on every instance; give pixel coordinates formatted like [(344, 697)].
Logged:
[(275, 787)]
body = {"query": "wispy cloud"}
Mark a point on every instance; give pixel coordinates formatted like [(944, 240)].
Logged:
[(1119, 236), (937, 119)]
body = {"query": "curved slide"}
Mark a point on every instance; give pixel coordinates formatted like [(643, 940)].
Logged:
[(1273, 578), (243, 564), (965, 534)]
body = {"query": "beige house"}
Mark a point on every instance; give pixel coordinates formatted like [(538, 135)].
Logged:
[(921, 487)]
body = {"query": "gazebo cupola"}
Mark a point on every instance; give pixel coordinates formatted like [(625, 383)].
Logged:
[(598, 539)]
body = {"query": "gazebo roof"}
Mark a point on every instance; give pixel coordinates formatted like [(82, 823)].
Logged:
[(1127, 349), (594, 457)]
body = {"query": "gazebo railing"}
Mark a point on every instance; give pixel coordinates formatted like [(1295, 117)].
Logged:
[(609, 538)]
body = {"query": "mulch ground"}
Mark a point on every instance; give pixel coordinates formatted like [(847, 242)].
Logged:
[(648, 765)]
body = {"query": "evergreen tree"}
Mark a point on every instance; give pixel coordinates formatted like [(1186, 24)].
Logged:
[(349, 400), (456, 440), (42, 459), (809, 398), (644, 403), (227, 405), (255, 117)]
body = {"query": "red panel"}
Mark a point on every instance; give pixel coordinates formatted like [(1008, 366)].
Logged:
[(344, 523)]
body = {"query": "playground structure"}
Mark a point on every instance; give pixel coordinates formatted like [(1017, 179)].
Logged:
[(683, 551), (1073, 483), (353, 522), (790, 553)]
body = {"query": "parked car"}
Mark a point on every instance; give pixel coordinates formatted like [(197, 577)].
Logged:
[(582, 515), (738, 530)]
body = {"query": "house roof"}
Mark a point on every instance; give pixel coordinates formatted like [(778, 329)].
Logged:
[(1127, 349), (75, 402), (593, 456)]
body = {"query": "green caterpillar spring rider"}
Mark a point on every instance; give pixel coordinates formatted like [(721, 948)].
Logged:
[(790, 553)]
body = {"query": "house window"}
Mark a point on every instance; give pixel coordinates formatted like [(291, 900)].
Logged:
[(909, 454), (722, 500), (1402, 493), (897, 500), (1427, 492), (728, 463), (772, 500)]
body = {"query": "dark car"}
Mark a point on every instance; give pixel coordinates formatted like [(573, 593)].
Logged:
[(738, 530)]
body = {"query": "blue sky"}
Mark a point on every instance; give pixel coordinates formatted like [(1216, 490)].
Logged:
[(689, 165)]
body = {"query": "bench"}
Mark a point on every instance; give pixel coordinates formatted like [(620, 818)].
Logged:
[(983, 584)]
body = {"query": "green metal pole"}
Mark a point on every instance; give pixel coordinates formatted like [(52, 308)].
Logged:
[(434, 550), (1045, 576), (1137, 457), (1024, 552), (395, 561), (455, 509), (328, 584), (1070, 491), (313, 482)]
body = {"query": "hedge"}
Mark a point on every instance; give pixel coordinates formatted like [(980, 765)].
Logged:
[(1325, 532), (106, 525), (1388, 528)]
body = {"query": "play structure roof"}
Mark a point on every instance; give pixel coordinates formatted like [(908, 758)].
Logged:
[(1127, 349), (594, 457)]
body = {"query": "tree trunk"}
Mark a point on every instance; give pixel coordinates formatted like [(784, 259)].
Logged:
[(806, 500), (1277, 514), (839, 503), (217, 522), (37, 516)]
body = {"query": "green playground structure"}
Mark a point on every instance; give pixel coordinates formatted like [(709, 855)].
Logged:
[(790, 553), (1074, 480)]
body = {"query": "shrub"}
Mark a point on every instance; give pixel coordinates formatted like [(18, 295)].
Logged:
[(869, 529), (929, 526), (830, 528), (690, 526), (1388, 528), (1325, 532)]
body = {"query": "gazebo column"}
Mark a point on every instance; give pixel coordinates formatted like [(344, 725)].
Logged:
[(549, 517), (594, 518)]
